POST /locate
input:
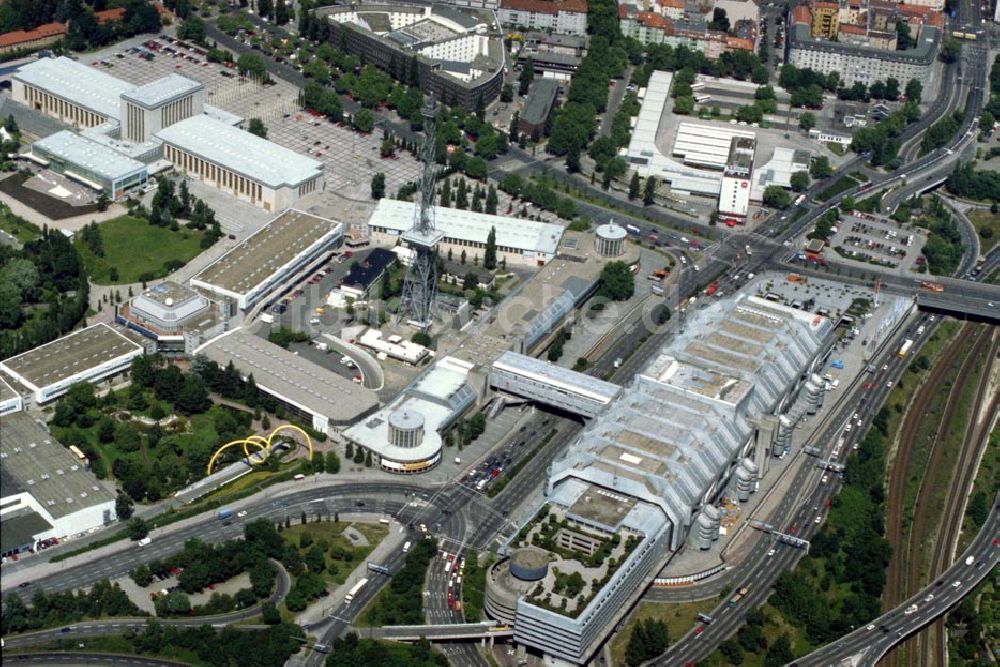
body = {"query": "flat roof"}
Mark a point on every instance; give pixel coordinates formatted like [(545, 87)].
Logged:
[(20, 527), (563, 378), (540, 101), (72, 354), (522, 235), (35, 462), (97, 158), (363, 274), (6, 391), (292, 377), (75, 82), (266, 251), (238, 150), (159, 92)]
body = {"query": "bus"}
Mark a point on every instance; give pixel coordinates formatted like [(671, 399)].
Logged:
[(355, 589), (632, 229), (934, 287), (705, 618), (907, 344), (697, 86), (702, 98)]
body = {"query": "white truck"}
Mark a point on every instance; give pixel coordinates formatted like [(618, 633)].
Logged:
[(144, 541)]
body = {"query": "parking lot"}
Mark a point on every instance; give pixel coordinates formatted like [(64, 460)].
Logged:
[(152, 59), (869, 239), (350, 158)]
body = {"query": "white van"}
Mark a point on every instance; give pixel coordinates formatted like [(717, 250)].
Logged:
[(406, 546)]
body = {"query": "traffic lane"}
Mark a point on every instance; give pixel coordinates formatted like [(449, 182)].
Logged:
[(85, 658), (761, 574), (210, 529)]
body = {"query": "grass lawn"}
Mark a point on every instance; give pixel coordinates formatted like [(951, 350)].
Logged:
[(982, 219), (331, 532), (19, 228), (837, 149), (679, 619), (134, 247), (841, 184)]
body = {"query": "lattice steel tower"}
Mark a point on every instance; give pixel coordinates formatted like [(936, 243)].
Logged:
[(420, 285)]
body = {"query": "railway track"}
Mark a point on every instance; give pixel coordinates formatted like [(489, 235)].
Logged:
[(930, 653), (895, 583)]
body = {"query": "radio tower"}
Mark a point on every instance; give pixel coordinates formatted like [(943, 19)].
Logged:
[(420, 285)]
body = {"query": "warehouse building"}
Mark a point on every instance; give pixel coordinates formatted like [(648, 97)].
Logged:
[(10, 399), (87, 355), (90, 163), (697, 157), (288, 244), (74, 93), (405, 436), (519, 242), (240, 163), (319, 396), (684, 433), (154, 106), (45, 491)]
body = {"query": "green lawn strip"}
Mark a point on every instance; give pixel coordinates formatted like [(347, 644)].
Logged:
[(474, 585), (17, 227), (840, 185), (982, 219), (134, 247), (679, 619)]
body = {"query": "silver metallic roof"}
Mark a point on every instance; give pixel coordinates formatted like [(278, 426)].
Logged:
[(72, 81), (97, 158)]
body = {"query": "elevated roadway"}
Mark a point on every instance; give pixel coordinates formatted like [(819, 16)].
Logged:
[(446, 632), (867, 645), (86, 658)]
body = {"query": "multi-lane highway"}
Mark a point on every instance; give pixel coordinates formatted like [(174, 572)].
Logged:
[(867, 645)]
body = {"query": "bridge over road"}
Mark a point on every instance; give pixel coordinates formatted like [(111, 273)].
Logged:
[(437, 633)]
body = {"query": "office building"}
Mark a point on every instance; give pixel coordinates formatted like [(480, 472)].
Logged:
[(178, 318)]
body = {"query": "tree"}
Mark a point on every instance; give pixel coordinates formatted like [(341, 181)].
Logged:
[(491, 204), (649, 192), (820, 167), (527, 75), (332, 463), (378, 186), (363, 121), (914, 90), (507, 93), (192, 28), (776, 196), (986, 120), (573, 159), (616, 281), (949, 51), (137, 529), (807, 121), (800, 181), (634, 186), (490, 256), (123, 506), (251, 64), (257, 127)]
